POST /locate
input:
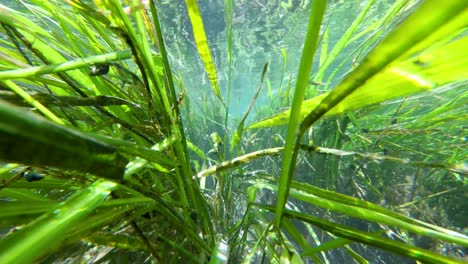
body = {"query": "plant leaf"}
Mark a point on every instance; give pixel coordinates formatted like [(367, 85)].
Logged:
[(289, 159), (42, 235), (202, 45), (435, 67), (29, 139)]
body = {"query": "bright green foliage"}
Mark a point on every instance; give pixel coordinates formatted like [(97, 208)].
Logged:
[(202, 45), (384, 54), (40, 236), (289, 158), (421, 73), (109, 150)]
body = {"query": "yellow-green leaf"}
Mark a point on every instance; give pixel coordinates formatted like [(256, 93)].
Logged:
[(202, 45), (432, 68)]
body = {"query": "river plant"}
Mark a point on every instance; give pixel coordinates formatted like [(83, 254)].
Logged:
[(108, 153)]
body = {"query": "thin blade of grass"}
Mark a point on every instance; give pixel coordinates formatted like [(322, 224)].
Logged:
[(347, 232), (29, 99), (202, 45), (236, 138), (64, 66), (423, 73), (380, 216), (65, 101), (329, 245), (228, 19), (47, 232), (342, 42), (22, 195), (289, 160)]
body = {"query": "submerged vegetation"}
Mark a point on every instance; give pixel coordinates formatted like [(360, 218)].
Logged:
[(114, 147)]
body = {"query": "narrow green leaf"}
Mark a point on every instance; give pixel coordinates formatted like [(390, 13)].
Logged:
[(28, 98), (64, 66), (24, 208), (202, 45), (350, 233), (289, 160), (228, 19), (378, 216), (236, 138), (342, 42), (329, 245), (108, 212), (429, 17), (434, 67), (196, 150), (295, 234), (22, 195), (44, 234), (29, 139), (65, 101)]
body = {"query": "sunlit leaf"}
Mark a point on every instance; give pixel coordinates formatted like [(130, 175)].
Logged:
[(202, 45), (422, 73), (44, 234)]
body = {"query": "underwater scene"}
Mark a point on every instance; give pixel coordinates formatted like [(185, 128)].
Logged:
[(223, 131)]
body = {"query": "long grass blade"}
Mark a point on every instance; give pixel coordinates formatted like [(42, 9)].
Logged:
[(429, 17), (236, 138), (43, 235), (65, 101), (420, 74), (342, 42), (29, 99), (65, 66), (369, 239), (202, 45), (288, 163)]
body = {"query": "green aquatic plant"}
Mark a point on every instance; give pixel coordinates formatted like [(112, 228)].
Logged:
[(133, 166)]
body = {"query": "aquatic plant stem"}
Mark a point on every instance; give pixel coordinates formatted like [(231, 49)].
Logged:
[(290, 154), (327, 151), (181, 145)]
